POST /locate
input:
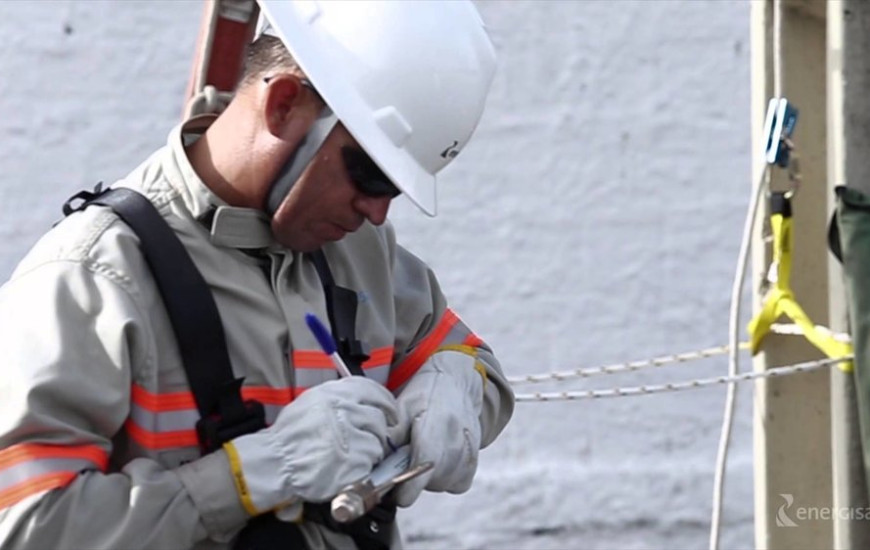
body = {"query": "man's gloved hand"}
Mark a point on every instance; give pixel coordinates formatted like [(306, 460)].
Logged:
[(330, 436), (442, 403)]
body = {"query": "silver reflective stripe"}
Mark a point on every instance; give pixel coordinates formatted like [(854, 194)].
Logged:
[(167, 421), (24, 472), (378, 374), (308, 377), (457, 334), (161, 422)]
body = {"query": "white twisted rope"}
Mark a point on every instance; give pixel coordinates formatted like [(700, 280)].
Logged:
[(678, 386), (785, 329), (619, 367), (795, 330)]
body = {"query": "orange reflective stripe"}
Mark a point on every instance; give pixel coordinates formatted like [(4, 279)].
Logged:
[(162, 402), (316, 359), (472, 340), (184, 401), (269, 396), (174, 431), (379, 357), (24, 452), (140, 428), (37, 484), (31, 455), (311, 359), (424, 349), (161, 440)]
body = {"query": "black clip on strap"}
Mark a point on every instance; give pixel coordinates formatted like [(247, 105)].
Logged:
[(341, 306), (780, 204)]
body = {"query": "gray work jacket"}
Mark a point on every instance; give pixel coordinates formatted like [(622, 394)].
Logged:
[(97, 441)]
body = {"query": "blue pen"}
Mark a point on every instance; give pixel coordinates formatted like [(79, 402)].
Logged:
[(357, 499), (327, 344)]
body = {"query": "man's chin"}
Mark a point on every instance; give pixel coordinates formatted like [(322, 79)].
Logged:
[(296, 244), (309, 241)]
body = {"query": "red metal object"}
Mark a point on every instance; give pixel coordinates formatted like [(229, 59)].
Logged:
[(227, 53), (227, 27)]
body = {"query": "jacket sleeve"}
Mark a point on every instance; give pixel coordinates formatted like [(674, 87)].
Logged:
[(70, 334), (425, 326)]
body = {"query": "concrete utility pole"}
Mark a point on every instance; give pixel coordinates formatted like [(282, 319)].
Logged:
[(792, 420), (807, 444), (848, 145)]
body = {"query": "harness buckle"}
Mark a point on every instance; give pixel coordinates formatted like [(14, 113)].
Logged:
[(354, 350), (71, 205), (214, 430)]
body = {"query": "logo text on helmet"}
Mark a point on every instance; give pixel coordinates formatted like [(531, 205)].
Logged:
[(451, 151)]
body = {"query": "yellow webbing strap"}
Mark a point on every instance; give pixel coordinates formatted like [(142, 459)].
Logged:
[(781, 301), (471, 351)]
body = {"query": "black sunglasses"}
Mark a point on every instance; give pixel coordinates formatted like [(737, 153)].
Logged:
[(368, 178), (365, 174)]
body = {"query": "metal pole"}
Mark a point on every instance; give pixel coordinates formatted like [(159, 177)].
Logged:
[(792, 416), (848, 144)]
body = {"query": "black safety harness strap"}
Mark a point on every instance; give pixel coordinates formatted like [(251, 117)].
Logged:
[(196, 321), (341, 305), (194, 317)]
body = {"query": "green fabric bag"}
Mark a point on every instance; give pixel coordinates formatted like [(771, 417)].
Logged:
[(849, 239)]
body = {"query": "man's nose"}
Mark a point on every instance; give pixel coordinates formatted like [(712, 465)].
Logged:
[(373, 208)]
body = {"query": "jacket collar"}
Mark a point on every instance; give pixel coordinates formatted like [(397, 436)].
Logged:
[(229, 226)]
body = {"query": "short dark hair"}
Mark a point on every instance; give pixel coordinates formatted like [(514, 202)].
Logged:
[(263, 56)]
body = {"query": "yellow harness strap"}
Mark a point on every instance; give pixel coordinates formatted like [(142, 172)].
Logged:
[(781, 301)]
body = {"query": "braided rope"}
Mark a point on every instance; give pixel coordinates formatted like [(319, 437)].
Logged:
[(558, 376), (620, 367), (678, 386)]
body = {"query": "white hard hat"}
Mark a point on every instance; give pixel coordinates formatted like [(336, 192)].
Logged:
[(407, 79)]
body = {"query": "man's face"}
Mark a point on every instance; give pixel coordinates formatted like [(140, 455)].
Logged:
[(326, 204)]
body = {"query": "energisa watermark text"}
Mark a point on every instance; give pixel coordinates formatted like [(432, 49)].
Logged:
[(789, 516)]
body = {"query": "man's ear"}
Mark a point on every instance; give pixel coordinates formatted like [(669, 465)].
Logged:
[(282, 97)]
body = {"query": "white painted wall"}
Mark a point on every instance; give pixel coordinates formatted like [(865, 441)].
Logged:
[(594, 219)]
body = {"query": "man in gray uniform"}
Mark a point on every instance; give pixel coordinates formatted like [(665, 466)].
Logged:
[(342, 107)]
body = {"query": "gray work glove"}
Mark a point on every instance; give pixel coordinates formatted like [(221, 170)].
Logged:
[(442, 403), (330, 436)]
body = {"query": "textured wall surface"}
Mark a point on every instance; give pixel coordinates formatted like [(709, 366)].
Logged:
[(594, 219)]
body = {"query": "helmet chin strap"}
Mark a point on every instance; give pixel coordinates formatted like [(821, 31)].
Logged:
[(297, 163)]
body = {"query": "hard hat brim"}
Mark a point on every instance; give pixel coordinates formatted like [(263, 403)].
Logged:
[(414, 181)]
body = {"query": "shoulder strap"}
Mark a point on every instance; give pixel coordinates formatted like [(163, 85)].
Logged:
[(341, 305), (202, 343), (194, 316)]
